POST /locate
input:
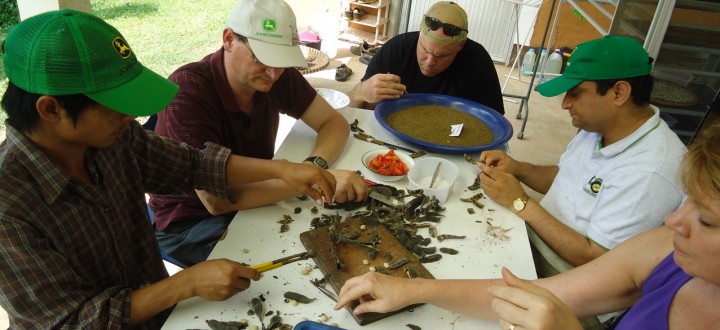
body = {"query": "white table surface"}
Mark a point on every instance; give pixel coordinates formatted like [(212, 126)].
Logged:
[(254, 237)]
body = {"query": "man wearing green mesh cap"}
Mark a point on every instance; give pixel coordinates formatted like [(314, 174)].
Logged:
[(438, 59), (619, 174), (77, 247)]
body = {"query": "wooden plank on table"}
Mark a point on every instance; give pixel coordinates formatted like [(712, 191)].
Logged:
[(317, 242)]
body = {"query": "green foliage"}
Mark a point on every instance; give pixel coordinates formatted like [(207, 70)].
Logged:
[(9, 15)]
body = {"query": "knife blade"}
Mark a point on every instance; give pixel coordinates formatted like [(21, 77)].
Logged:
[(368, 138), (385, 200)]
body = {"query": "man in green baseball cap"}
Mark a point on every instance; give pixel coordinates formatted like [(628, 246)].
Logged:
[(76, 239), (619, 174)]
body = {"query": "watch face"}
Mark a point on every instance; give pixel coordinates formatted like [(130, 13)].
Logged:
[(518, 205), (319, 161)]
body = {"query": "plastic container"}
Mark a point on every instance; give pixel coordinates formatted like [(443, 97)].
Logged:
[(554, 62), (420, 177), (543, 59), (528, 62), (311, 325)]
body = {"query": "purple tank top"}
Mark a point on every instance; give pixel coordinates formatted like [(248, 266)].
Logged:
[(658, 292)]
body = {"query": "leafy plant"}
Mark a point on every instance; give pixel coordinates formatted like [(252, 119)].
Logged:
[(9, 15)]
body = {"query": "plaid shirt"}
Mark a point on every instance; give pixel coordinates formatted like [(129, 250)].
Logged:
[(72, 252)]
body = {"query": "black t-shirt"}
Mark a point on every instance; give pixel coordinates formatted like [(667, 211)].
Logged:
[(471, 75)]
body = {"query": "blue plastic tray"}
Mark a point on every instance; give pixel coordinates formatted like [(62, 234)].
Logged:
[(501, 128), (311, 325)]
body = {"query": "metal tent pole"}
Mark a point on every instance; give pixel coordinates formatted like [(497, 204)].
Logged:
[(524, 99)]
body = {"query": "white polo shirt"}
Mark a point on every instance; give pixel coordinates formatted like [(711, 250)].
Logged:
[(612, 193)]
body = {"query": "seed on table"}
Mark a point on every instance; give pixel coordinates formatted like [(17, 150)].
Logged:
[(366, 262)]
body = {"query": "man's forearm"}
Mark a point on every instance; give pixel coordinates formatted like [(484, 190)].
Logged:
[(331, 139), (570, 245), (247, 196), (537, 177)]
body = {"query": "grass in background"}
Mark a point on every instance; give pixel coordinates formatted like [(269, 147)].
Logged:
[(165, 34)]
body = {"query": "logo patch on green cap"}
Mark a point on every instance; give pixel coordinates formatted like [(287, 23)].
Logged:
[(121, 47)]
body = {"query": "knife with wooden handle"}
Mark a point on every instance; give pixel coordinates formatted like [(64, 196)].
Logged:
[(368, 138)]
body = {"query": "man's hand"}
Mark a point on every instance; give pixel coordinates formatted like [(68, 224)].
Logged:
[(381, 87), (218, 279), (309, 179), (350, 187), (376, 292), (528, 306), (499, 160), (500, 186)]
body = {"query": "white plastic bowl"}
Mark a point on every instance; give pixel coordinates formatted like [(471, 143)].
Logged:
[(421, 175), (370, 155)]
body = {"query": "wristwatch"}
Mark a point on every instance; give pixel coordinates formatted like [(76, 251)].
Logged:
[(519, 203), (319, 161)]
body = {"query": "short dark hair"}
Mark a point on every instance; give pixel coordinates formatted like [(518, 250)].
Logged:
[(20, 106)]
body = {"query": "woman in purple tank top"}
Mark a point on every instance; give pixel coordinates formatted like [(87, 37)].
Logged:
[(667, 278)]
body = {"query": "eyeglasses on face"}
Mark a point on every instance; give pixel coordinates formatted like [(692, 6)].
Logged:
[(243, 41), (450, 30)]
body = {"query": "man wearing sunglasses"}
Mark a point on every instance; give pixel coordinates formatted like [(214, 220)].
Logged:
[(234, 98), (437, 59)]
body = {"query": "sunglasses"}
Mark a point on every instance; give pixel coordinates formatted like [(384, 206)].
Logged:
[(243, 41), (450, 30)]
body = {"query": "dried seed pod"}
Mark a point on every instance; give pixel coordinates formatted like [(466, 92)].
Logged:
[(297, 210), (471, 210), (298, 297), (274, 321), (413, 327), (225, 325), (433, 231), (314, 210), (448, 251), (430, 258), (398, 263), (284, 228), (257, 308), (446, 236)]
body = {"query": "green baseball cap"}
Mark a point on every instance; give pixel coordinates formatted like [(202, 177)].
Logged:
[(69, 52), (610, 57)]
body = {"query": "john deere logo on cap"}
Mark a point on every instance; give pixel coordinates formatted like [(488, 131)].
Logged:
[(269, 25), (121, 47)]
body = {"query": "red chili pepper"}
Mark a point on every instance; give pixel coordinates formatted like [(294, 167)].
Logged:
[(388, 164)]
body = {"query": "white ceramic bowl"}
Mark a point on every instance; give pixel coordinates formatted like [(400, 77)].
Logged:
[(370, 155)]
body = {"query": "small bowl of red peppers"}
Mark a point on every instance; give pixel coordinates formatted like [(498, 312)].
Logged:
[(387, 164)]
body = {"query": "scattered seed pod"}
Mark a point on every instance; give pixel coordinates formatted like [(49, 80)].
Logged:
[(324, 318), (362, 227), (471, 210), (386, 265), (292, 302), (298, 297), (297, 210), (448, 251), (372, 268), (399, 263), (366, 262), (413, 327), (305, 271)]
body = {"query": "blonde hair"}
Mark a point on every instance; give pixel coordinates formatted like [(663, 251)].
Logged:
[(700, 171)]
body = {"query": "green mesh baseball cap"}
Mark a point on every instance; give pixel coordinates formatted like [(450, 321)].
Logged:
[(69, 52), (610, 57)]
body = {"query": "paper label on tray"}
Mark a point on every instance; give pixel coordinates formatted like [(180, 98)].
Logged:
[(456, 129)]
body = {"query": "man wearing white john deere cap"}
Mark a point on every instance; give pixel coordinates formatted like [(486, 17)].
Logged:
[(77, 247), (234, 97), (618, 176)]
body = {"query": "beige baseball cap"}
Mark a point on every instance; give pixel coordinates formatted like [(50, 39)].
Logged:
[(271, 29)]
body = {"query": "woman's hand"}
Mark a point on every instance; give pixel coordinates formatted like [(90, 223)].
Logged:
[(528, 306)]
